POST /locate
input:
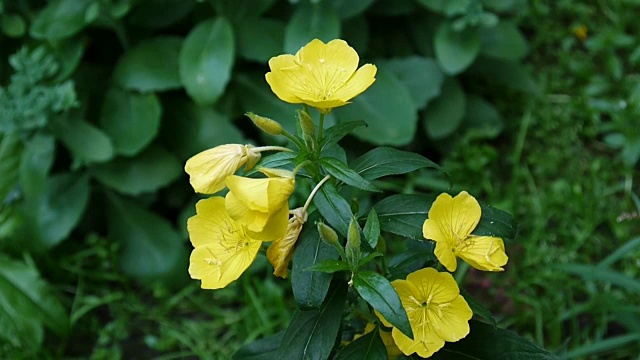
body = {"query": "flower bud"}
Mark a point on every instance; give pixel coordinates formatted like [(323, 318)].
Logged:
[(327, 234), (353, 242), (265, 124), (306, 123)]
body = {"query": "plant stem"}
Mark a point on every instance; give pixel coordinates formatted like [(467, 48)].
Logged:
[(292, 138), (314, 191), (320, 126)]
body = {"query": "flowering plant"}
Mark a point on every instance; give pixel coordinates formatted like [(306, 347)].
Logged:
[(342, 256)]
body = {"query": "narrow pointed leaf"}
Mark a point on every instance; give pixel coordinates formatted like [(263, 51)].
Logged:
[(335, 133), (372, 228), (329, 266), (344, 173), (366, 347), (384, 161), (334, 208)]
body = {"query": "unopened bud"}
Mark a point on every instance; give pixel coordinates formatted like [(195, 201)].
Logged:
[(353, 242), (265, 124), (306, 123), (327, 234)]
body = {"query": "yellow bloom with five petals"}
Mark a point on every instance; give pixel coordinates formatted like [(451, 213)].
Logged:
[(261, 205), (321, 75), (208, 169), (222, 249), (436, 311), (450, 223)]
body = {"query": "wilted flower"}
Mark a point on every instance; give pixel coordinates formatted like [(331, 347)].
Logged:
[(280, 251), (450, 223), (321, 75)]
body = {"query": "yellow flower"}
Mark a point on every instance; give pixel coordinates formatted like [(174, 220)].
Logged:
[(450, 223), (222, 250), (321, 75), (280, 251), (581, 32), (436, 310), (208, 169), (261, 205)]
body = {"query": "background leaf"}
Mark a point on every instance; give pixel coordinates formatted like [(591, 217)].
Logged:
[(443, 116), (206, 60), (503, 41), (86, 142), (261, 349), (260, 39), (420, 75), (456, 50), (60, 19), (366, 347), (313, 21)]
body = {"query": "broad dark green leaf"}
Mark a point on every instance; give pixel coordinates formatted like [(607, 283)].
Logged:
[(55, 213), (206, 60), (335, 133), (503, 41), (86, 142), (188, 128), (344, 173), (155, 14), (372, 228), (483, 118), (478, 309), (495, 222), (150, 248), (131, 119), (257, 96), (310, 287), (69, 54), (334, 208), (36, 161), (383, 161), (376, 290), (404, 214), (366, 347), (329, 266), (456, 50), (487, 342), (312, 334), (388, 109), (10, 153), (149, 171), (308, 22), (347, 9), (61, 19), (152, 65), (261, 349), (26, 303), (422, 76), (260, 39), (443, 116)]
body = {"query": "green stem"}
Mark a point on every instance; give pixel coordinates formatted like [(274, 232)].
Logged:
[(320, 127), (315, 190), (271, 148), (300, 166), (292, 138)]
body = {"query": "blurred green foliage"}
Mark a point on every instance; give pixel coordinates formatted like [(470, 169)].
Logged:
[(102, 101)]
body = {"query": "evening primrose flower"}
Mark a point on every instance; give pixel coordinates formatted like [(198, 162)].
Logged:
[(436, 311), (261, 205), (208, 169), (450, 223), (280, 251), (222, 249), (321, 75)]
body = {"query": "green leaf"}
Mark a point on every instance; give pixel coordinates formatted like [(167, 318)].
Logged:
[(508, 73), (150, 248), (131, 119), (37, 159), (329, 266), (456, 50), (344, 173), (335, 133), (53, 215), (12, 25), (60, 19), (366, 347), (10, 153), (503, 41), (488, 342), (189, 129), (483, 118), (86, 142), (242, 11), (308, 22), (26, 303), (261, 349), (152, 65), (206, 60), (590, 272), (404, 214), (369, 258), (312, 334), (154, 14), (495, 222), (443, 116), (279, 160), (372, 228), (477, 308), (383, 161), (334, 208), (347, 9), (376, 290), (310, 287), (149, 171), (69, 54), (446, 7), (604, 345), (260, 39), (388, 109), (422, 76), (257, 96)]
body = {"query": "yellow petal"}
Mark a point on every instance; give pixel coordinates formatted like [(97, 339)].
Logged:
[(483, 252), (252, 193), (450, 320), (276, 173), (218, 265), (253, 220), (433, 286), (275, 226), (281, 62), (280, 251), (456, 217), (446, 256), (425, 342), (208, 169), (358, 83), (211, 222)]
